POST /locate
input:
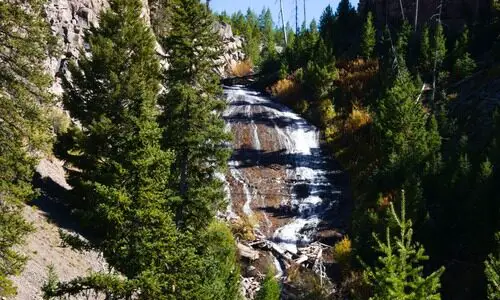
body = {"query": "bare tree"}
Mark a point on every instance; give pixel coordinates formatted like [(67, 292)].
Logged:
[(297, 17), (416, 14), (402, 10), (305, 15), (434, 73), (283, 22)]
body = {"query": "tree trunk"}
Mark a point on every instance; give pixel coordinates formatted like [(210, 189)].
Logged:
[(416, 14), (305, 15), (283, 22), (434, 73)]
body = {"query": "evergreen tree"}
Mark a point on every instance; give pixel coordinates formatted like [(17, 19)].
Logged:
[(24, 128), (268, 38), (439, 45), (345, 22), (270, 288), (425, 60), (252, 37), (399, 273), (191, 115), (464, 65), (406, 138), (493, 272), (369, 37), (438, 56), (326, 24), (402, 44), (123, 174)]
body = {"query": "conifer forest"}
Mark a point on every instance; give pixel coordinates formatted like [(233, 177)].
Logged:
[(163, 149)]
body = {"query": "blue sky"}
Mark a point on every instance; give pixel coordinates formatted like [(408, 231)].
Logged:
[(314, 7)]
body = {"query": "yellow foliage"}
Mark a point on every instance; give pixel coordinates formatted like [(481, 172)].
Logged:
[(326, 112), (285, 89), (342, 252), (357, 119), (242, 68)]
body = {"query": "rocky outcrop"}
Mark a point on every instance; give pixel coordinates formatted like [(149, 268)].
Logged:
[(232, 49), (69, 19)]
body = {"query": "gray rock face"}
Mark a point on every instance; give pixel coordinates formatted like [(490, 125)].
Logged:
[(69, 19), (232, 49)]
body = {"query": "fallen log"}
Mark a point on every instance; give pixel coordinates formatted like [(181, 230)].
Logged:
[(248, 252)]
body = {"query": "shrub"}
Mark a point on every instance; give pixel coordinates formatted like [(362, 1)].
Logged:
[(464, 66), (60, 120), (308, 285), (342, 253), (242, 68), (357, 119), (243, 228), (285, 90), (270, 289)]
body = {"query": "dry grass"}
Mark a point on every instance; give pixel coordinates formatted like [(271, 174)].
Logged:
[(243, 228), (285, 90), (358, 119), (242, 68)]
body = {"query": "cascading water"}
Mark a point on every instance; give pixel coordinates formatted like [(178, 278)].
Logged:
[(278, 174)]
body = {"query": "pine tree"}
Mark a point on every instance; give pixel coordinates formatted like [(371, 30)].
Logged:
[(252, 38), (270, 288), (194, 129), (425, 60), (402, 124), (326, 24), (464, 64), (438, 56), (267, 30), (122, 178), (369, 37), (399, 273), (345, 21), (492, 272), (24, 129), (402, 43)]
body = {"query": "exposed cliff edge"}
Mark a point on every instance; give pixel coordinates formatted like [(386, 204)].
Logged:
[(69, 19)]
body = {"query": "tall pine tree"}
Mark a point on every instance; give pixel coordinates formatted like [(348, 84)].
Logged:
[(24, 129), (191, 117), (408, 136), (268, 37), (399, 273), (368, 39), (122, 178), (464, 65)]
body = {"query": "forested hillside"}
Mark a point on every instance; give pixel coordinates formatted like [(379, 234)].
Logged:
[(410, 111), (187, 192)]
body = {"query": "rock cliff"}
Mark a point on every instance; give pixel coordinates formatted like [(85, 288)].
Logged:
[(68, 20)]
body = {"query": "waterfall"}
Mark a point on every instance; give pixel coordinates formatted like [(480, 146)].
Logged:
[(277, 171)]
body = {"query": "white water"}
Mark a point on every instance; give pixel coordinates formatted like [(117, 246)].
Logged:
[(306, 169)]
